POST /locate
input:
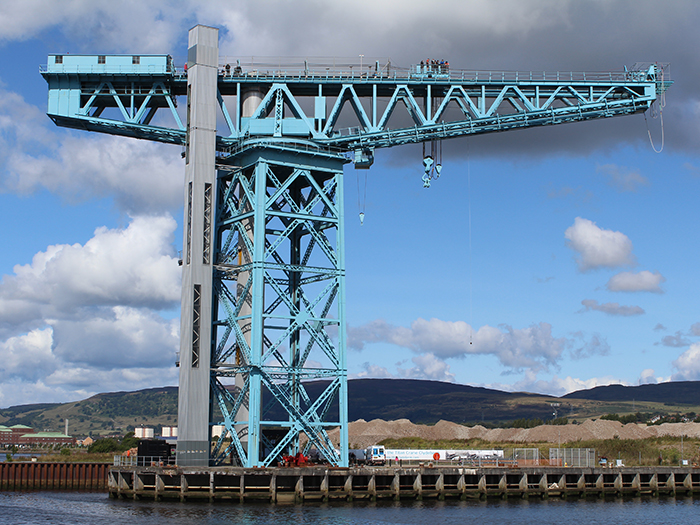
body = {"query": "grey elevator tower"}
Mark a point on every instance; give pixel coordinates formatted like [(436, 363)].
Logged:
[(197, 299)]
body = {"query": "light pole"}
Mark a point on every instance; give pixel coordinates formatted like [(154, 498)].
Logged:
[(361, 57)]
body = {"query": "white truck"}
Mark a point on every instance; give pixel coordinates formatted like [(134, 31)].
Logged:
[(378, 454)]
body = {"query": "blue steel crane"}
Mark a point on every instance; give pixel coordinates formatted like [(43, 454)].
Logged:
[(262, 350)]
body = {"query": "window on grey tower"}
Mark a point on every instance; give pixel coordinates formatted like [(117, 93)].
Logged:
[(196, 313), (207, 224), (187, 130), (189, 222)]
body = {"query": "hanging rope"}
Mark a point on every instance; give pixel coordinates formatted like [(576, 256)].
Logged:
[(469, 213), (361, 202), (663, 138), (660, 104)]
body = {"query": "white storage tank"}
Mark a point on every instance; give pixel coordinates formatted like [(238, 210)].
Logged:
[(168, 432), (143, 432)]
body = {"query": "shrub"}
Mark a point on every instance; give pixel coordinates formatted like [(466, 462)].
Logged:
[(105, 445)]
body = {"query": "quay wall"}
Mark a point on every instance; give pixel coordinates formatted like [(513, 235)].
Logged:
[(277, 485), (37, 475)]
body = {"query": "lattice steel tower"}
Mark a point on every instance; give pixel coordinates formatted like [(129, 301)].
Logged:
[(262, 348)]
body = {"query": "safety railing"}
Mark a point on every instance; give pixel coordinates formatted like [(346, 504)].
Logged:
[(143, 461), (377, 70)]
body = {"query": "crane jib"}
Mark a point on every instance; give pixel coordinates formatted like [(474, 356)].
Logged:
[(338, 108)]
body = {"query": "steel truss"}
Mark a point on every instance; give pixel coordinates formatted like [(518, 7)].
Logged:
[(387, 107), (280, 296)]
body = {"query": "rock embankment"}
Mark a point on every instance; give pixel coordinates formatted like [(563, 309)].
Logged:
[(365, 433)]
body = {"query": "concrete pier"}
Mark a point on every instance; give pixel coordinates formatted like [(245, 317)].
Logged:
[(278, 485)]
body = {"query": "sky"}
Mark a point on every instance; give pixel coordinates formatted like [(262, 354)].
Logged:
[(543, 260)]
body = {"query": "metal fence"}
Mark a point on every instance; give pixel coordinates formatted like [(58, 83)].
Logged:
[(527, 457), (572, 457)]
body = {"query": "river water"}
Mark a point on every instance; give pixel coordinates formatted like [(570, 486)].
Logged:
[(93, 508)]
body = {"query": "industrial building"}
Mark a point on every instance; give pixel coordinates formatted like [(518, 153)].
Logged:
[(22, 435)]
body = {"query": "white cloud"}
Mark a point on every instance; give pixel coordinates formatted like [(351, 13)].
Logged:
[(556, 386), (678, 340), (20, 123), (687, 365), (16, 391), (143, 177), (611, 308), (428, 366), (596, 345), (370, 370), (622, 178), (27, 357), (135, 266), (248, 29), (117, 337), (598, 248), (644, 281), (649, 377), (81, 319), (87, 381), (37, 370), (694, 170), (250, 32), (74, 384), (532, 347), (150, 26)]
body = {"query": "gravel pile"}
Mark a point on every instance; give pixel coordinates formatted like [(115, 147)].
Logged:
[(676, 429), (365, 433)]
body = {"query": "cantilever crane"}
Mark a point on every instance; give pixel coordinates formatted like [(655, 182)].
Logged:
[(263, 288)]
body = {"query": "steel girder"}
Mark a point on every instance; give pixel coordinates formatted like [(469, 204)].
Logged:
[(279, 282), (387, 107)]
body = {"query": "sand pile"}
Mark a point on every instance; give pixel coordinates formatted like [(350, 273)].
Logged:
[(676, 429), (365, 433)]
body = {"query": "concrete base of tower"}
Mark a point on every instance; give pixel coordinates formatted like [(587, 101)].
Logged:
[(193, 453)]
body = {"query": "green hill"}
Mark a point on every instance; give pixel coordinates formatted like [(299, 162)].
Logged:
[(674, 393), (424, 402), (100, 414)]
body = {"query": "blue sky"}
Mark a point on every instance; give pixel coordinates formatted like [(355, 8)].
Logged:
[(546, 260)]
